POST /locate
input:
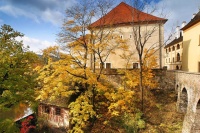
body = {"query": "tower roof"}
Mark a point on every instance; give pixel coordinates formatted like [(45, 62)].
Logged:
[(126, 14)]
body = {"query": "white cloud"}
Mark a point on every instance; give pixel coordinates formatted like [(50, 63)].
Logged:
[(55, 17), (11, 10), (38, 10), (36, 45), (178, 11)]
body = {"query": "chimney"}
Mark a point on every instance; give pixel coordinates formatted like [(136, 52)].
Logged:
[(194, 15), (177, 32), (183, 24)]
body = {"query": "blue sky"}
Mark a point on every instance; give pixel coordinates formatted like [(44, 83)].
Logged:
[(40, 20)]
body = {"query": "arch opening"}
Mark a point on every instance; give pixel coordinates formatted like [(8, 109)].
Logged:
[(198, 105), (183, 100)]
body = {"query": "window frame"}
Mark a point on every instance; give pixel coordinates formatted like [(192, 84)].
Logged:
[(178, 57), (173, 48), (135, 65), (47, 109), (178, 46), (107, 65), (57, 111)]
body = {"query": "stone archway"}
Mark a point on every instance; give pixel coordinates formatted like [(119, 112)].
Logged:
[(183, 100), (196, 124), (198, 106)]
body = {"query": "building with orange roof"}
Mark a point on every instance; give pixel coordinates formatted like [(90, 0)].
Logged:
[(123, 21)]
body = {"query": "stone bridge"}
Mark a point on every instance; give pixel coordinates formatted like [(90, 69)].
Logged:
[(188, 88)]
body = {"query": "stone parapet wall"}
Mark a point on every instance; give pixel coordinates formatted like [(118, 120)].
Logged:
[(188, 86), (165, 78)]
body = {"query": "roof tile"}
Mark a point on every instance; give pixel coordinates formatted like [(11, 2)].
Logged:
[(125, 14)]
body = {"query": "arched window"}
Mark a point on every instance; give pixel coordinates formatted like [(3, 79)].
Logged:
[(173, 48), (178, 46), (173, 60), (178, 57), (166, 50), (177, 68), (169, 49)]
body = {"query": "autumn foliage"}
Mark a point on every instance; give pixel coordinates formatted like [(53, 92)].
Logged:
[(26, 125)]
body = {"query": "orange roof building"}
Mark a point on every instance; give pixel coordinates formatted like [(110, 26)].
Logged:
[(126, 14), (121, 21)]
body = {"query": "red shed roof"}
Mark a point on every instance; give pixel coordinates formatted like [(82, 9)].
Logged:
[(126, 14)]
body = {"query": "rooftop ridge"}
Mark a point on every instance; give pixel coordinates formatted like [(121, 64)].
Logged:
[(124, 14)]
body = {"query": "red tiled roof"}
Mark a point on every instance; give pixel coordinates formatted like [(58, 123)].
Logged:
[(125, 14)]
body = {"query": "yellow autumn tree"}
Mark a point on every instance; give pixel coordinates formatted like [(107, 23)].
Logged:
[(132, 77), (68, 70)]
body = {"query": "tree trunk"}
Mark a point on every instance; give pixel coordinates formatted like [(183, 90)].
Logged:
[(141, 85)]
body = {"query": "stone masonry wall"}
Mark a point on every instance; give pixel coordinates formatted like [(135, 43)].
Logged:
[(188, 85), (165, 79)]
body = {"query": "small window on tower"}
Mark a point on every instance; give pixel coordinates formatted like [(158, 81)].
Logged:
[(108, 65), (135, 65)]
